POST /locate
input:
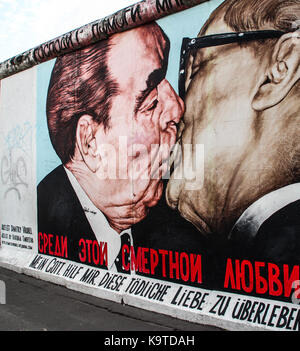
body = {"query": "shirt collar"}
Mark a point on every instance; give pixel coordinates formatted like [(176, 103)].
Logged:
[(98, 222), (262, 209)]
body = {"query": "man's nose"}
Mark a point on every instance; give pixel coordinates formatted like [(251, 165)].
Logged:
[(172, 105)]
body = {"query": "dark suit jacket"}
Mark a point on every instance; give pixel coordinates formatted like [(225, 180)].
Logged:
[(60, 213), (277, 240)]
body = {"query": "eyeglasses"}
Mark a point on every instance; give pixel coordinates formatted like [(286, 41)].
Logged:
[(216, 40)]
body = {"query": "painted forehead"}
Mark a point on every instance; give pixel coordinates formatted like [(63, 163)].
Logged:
[(154, 40), (135, 54), (147, 39)]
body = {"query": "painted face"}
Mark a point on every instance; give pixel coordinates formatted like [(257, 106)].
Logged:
[(143, 117), (220, 88)]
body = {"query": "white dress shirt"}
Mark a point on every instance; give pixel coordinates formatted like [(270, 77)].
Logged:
[(99, 224)]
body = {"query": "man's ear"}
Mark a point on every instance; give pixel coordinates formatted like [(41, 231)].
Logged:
[(86, 142), (282, 74)]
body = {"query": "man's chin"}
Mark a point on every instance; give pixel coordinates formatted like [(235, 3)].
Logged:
[(126, 221), (141, 209), (198, 222), (156, 196), (173, 193), (178, 200)]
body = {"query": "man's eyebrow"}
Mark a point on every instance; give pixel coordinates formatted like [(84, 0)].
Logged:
[(152, 82)]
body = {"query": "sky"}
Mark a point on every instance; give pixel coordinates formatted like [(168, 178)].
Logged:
[(25, 24)]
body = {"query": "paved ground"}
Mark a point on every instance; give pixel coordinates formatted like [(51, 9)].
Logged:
[(35, 305)]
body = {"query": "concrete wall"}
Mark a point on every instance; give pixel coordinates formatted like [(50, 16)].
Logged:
[(98, 141)]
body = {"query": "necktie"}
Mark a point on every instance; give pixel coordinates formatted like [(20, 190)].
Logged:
[(125, 240)]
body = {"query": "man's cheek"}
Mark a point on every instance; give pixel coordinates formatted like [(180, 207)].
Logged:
[(146, 139), (138, 168), (145, 132), (153, 193), (157, 196)]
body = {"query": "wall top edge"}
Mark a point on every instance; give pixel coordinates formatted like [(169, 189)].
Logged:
[(127, 18)]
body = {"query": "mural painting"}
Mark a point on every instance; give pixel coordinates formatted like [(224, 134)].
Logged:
[(180, 191)]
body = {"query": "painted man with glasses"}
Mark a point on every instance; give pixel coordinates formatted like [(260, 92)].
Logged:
[(240, 83)]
